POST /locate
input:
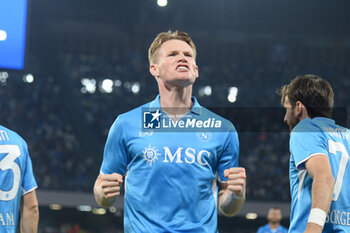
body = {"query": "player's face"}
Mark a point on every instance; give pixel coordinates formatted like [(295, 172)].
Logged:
[(274, 216), (176, 65), (290, 118)]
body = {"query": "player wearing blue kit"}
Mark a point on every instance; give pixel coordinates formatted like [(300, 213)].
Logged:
[(319, 170), (17, 185), (274, 217), (171, 177)]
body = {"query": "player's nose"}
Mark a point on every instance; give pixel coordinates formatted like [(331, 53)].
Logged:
[(182, 57)]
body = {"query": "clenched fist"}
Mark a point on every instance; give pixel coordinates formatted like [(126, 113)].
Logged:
[(107, 187), (236, 180)]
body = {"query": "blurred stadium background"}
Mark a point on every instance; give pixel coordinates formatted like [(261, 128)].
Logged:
[(86, 62)]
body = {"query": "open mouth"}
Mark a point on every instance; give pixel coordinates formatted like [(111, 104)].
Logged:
[(182, 67)]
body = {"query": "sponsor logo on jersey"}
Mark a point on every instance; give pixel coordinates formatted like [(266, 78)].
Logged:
[(180, 155), (150, 154), (145, 133)]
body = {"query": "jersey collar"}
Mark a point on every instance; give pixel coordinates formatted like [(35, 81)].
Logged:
[(323, 119), (196, 108)]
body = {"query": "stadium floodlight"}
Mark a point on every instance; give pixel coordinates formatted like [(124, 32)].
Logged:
[(89, 85), (55, 206), (232, 94), (112, 209), (84, 208), (251, 216), (99, 211), (162, 3), (28, 78), (207, 90), (107, 86), (3, 35), (135, 88), (3, 76), (117, 83)]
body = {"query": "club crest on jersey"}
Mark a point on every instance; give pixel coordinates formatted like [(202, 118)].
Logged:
[(150, 154), (204, 136)]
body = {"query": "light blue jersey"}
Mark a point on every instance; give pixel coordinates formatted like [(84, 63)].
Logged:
[(16, 177), (267, 229), (320, 136), (171, 177)]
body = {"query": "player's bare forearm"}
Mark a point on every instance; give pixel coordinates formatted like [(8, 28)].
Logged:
[(322, 187), (107, 188), (229, 204), (232, 193), (29, 213)]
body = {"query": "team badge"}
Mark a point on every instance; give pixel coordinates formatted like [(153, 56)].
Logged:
[(204, 136)]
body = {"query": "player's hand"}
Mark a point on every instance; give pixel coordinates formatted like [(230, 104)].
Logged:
[(236, 180), (110, 184)]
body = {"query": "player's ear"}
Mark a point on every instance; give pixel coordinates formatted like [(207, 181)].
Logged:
[(153, 69), (299, 108)]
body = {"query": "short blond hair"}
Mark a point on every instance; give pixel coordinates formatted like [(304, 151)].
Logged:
[(164, 37)]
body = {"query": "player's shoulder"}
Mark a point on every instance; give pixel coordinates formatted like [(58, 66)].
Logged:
[(284, 229), (130, 117), (7, 134), (133, 113), (226, 125), (263, 228)]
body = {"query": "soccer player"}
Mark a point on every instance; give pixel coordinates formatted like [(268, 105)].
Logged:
[(17, 185), (171, 177), (274, 217), (319, 170)]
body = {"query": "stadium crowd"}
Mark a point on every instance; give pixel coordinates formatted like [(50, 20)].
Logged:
[(36, 112)]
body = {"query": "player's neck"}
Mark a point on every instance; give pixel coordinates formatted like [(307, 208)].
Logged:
[(176, 100), (274, 225)]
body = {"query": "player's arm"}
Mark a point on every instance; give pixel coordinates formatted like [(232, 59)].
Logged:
[(29, 213), (232, 193), (319, 169), (107, 188)]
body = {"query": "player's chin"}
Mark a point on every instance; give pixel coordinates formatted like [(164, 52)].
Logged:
[(183, 82)]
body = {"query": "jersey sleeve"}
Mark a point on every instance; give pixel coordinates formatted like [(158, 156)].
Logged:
[(29, 182), (306, 143), (230, 154), (115, 152)]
